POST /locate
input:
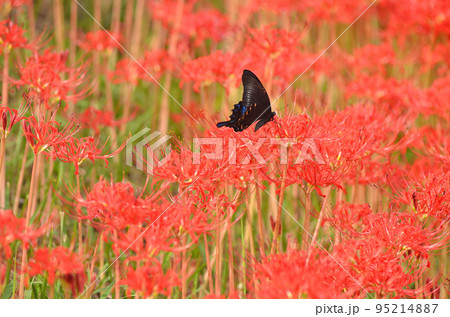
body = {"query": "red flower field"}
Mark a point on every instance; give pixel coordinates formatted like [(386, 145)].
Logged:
[(116, 183)]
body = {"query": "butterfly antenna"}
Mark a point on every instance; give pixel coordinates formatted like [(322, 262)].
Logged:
[(279, 109), (291, 112)]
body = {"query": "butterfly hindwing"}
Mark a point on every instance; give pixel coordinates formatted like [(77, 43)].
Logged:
[(255, 105)]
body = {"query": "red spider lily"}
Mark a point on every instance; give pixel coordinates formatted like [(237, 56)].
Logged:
[(195, 25), (174, 226), (126, 70), (372, 59), (157, 62), (150, 280), (269, 46), (114, 205), (424, 187), (50, 79), (396, 93), (181, 169), (101, 41), (273, 42), (94, 118), (336, 11), (375, 268), (280, 6), (372, 170), (432, 198), (432, 288), (13, 228), (366, 132), (346, 215), (73, 150), (57, 61), (366, 139), (244, 152), (423, 17), (402, 232), (437, 55), (354, 269), (313, 152), (42, 135), (436, 96), (278, 56), (59, 263), (14, 115), (333, 148), (11, 36), (154, 64), (200, 213), (143, 242), (437, 144), (226, 159), (163, 10), (243, 155), (218, 67), (292, 64), (387, 251), (204, 24), (288, 275), (159, 234)]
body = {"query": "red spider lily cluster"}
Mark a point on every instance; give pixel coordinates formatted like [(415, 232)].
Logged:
[(100, 41), (345, 194), (45, 76), (59, 263), (12, 36)]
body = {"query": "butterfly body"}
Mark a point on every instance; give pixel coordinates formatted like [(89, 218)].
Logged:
[(254, 107)]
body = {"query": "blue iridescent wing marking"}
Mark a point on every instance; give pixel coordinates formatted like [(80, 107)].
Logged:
[(255, 106)]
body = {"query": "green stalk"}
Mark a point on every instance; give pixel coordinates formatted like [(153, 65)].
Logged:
[(208, 264), (31, 196), (164, 115), (276, 232), (308, 207), (2, 173), (20, 181), (319, 221), (230, 251), (4, 101), (58, 13)]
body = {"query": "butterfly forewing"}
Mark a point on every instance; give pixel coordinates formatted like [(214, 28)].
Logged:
[(254, 91)]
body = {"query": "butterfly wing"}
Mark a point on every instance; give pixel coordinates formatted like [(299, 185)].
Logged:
[(235, 121), (255, 105), (254, 91), (256, 100)]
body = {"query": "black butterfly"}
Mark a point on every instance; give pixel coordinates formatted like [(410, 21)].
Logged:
[(255, 106)]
